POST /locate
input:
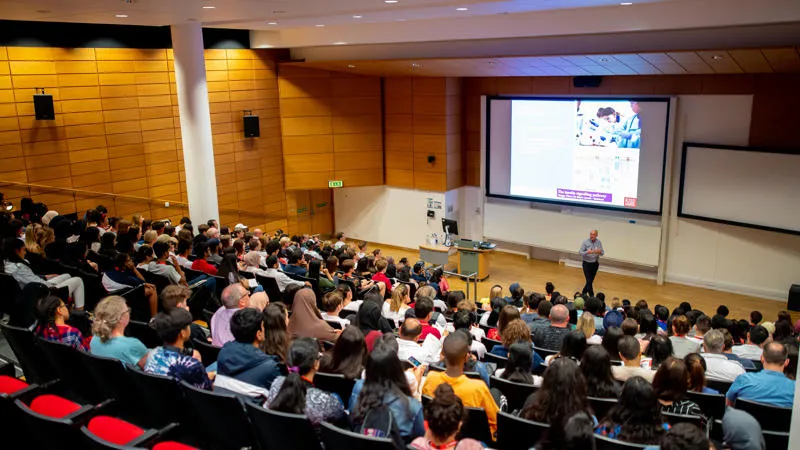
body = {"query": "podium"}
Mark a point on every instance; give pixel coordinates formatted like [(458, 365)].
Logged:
[(437, 255), (474, 260)]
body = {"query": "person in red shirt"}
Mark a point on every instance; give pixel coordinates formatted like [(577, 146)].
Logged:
[(380, 275), (423, 310), (200, 264)]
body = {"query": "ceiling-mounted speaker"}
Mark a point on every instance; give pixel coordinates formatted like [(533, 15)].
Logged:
[(43, 107), (251, 128), (587, 82)]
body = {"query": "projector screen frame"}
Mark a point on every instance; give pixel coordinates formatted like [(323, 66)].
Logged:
[(744, 148), (488, 136)]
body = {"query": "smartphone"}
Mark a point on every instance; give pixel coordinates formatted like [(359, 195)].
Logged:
[(414, 361)]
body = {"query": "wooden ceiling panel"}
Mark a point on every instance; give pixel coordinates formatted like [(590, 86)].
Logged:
[(720, 62), (751, 60), (783, 59)]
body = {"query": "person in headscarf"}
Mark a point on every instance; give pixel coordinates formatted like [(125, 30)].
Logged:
[(306, 320), (742, 431), (372, 323)]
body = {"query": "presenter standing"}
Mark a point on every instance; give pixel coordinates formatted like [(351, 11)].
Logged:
[(591, 251)]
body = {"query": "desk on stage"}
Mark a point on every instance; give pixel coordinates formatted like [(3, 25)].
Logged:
[(471, 260)]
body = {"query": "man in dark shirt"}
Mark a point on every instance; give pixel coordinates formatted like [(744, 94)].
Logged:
[(550, 337), (297, 264)]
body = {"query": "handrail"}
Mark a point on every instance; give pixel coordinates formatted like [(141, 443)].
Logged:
[(126, 197)]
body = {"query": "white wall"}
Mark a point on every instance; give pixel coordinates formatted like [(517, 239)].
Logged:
[(725, 257), (387, 215)]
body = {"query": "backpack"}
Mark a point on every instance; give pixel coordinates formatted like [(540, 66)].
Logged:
[(379, 422)]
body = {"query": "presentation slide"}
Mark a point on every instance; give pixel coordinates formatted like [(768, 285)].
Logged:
[(603, 152)]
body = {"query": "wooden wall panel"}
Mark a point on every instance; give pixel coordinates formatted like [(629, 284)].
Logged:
[(771, 115), (423, 118), (331, 129)]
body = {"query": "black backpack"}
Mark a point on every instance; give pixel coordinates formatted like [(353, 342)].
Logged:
[(379, 422)]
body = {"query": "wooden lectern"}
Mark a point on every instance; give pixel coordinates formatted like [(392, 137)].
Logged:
[(474, 260)]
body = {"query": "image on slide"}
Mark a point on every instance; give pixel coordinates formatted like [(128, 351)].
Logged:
[(584, 151)]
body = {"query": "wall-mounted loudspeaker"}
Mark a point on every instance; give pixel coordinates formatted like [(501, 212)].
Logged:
[(43, 107), (794, 298), (587, 82), (251, 126)]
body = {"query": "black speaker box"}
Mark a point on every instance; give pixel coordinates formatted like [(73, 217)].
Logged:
[(43, 107), (794, 298), (587, 82), (251, 126)]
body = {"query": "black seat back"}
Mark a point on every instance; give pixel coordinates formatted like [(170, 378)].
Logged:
[(34, 363), (110, 379), (335, 383), (712, 405), (12, 302), (334, 324), (191, 274), (499, 361), (143, 332), (776, 440), (158, 280), (161, 396), (271, 287), (721, 386), (674, 419), (516, 393), (604, 443), (543, 352), (50, 432), (601, 406), (276, 429), (208, 352), (137, 302), (67, 363), (219, 419), (93, 289), (771, 418), (334, 437), (476, 426), (490, 343), (515, 433)]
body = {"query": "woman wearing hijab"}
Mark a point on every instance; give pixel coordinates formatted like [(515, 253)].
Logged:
[(372, 323), (306, 320)]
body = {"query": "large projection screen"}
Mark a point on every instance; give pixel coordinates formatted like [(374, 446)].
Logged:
[(741, 186), (587, 151)]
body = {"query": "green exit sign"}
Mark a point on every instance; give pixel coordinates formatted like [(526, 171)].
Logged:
[(335, 183)]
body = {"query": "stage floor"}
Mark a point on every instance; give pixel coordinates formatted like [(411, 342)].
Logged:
[(531, 274)]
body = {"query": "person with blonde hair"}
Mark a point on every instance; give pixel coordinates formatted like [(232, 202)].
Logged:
[(395, 308), (586, 326), (37, 237), (111, 317)]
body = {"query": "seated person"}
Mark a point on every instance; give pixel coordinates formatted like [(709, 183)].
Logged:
[(201, 264), (242, 366), (380, 266), (53, 315), (445, 415), (637, 416), (296, 394), (111, 317), (182, 253), (770, 385), (550, 337), (234, 298), (333, 303), (756, 340), (125, 275), (170, 359), (427, 353), (423, 310), (281, 278), (177, 296), (727, 350), (517, 331), (473, 393), (161, 266), (718, 366), (630, 352), (297, 264), (464, 320)]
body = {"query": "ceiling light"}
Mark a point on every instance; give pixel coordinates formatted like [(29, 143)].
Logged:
[(351, 66), (416, 65), (462, 9), (340, 43), (209, 7), (358, 17), (121, 16), (603, 60), (717, 58), (390, 1), (626, 4), (319, 25), (272, 23)]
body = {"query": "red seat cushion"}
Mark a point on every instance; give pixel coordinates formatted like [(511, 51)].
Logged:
[(9, 385), (169, 445), (114, 430), (53, 406)]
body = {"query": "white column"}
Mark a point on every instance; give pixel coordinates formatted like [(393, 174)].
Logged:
[(198, 148)]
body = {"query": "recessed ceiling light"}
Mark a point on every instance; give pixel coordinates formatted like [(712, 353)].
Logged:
[(358, 17), (319, 25), (272, 23), (209, 7), (717, 58), (340, 43), (626, 4), (351, 66), (390, 1), (603, 60), (416, 65), (462, 9), (121, 16)]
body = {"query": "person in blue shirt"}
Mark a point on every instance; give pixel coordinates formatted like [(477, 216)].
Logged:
[(516, 331), (768, 386), (630, 135), (242, 359), (385, 384)]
